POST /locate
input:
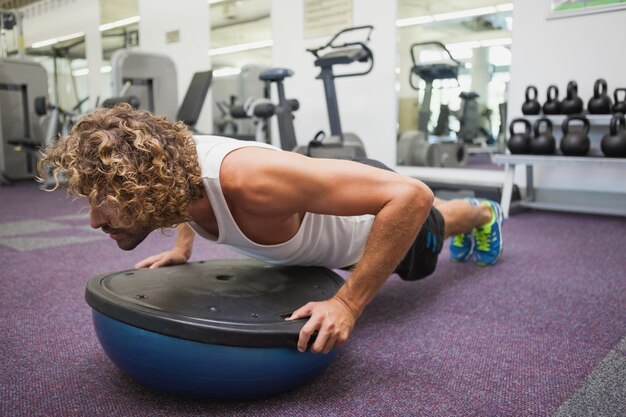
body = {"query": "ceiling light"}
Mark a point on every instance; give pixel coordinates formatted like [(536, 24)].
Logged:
[(241, 47), (421, 20), (464, 13), (85, 71), (411, 21), (52, 41), (80, 72), (119, 23), (505, 7), (463, 45), (496, 42), (226, 71)]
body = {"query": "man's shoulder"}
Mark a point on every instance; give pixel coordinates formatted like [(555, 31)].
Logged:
[(212, 150)]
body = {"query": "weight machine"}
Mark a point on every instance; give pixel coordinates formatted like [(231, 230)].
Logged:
[(420, 147)]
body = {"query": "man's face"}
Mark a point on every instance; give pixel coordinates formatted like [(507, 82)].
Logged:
[(127, 238)]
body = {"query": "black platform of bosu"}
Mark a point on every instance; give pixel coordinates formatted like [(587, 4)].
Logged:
[(212, 329)]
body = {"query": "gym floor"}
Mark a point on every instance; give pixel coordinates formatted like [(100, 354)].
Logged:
[(541, 333)]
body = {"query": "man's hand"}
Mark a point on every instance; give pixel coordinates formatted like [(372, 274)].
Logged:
[(171, 257), (332, 319)]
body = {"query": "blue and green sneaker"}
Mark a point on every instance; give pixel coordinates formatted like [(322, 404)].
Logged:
[(488, 237), (462, 246)]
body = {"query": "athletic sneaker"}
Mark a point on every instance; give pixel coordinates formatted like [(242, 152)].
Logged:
[(462, 246), (488, 238)]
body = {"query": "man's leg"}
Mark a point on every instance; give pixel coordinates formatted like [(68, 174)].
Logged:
[(475, 228), (461, 216)]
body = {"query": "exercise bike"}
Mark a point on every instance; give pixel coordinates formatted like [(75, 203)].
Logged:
[(419, 147), (338, 144)]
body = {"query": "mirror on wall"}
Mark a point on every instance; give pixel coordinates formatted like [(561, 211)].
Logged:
[(65, 60), (241, 47), (453, 73)]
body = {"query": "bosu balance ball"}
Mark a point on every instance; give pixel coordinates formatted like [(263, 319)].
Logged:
[(212, 329)]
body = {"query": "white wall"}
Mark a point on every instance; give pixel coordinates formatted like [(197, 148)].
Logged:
[(191, 53), (582, 48), (367, 105)]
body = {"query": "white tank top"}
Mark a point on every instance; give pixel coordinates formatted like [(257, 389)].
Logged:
[(322, 240)]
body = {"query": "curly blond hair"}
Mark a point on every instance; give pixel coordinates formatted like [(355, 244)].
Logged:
[(143, 165)]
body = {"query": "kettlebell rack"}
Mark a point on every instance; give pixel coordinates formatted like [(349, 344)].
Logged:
[(599, 126)]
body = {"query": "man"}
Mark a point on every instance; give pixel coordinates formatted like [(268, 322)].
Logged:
[(142, 172)]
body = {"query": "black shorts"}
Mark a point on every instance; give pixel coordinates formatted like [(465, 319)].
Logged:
[(421, 259)]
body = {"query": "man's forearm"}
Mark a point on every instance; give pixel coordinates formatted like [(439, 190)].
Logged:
[(393, 231), (185, 239)]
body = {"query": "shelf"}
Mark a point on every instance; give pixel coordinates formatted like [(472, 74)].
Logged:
[(501, 159), (511, 160), (598, 120), (570, 208)]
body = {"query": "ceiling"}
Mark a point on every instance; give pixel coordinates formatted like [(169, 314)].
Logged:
[(15, 4), (232, 12), (412, 8), (241, 21)]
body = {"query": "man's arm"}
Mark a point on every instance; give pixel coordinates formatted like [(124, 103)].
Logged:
[(394, 229), (283, 182), (179, 254)]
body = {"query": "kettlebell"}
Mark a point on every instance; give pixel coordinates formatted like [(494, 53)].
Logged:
[(543, 143), (619, 106), (600, 103), (531, 105), (519, 143), (572, 104), (614, 143), (575, 143), (552, 104)]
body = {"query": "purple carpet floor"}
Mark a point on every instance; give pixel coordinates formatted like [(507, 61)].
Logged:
[(539, 334)]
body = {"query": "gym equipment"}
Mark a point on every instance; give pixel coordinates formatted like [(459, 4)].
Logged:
[(11, 20), (260, 110), (600, 103), (113, 101), (542, 143), (339, 143), (531, 106), (572, 104), (21, 81), (213, 329), (58, 122), (283, 111), (614, 143), (191, 107), (552, 104), (225, 124), (149, 77), (519, 143), (619, 106), (472, 122), (575, 143), (420, 147), (152, 80), (233, 90)]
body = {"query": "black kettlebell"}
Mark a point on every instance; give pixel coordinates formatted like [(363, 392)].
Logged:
[(614, 143), (531, 105), (600, 103), (543, 143), (575, 143), (572, 104), (519, 143), (552, 104), (619, 106)]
